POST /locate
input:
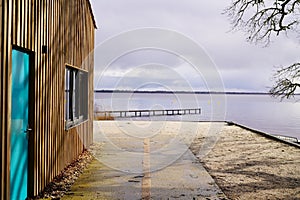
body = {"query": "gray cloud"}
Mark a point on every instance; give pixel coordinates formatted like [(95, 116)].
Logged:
[(242, 66)]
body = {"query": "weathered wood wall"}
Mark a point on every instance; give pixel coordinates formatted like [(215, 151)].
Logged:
[(66, 27)]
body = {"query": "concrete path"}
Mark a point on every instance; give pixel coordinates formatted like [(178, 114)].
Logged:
[(144, 160)]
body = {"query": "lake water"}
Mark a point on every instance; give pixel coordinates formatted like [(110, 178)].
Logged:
[(260, 112)]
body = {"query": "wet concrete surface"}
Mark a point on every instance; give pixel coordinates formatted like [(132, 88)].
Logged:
[(138, 160)]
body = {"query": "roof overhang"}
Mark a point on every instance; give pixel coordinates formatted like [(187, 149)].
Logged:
[(92, 14)]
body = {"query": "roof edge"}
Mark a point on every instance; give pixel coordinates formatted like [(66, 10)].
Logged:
[(92, 14)]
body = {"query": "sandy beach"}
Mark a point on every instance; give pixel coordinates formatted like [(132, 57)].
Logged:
[(244, 164), (186, 160), (247, 165)]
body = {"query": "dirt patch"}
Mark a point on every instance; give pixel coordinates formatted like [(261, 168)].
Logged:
[(247, 165), (63, 182)]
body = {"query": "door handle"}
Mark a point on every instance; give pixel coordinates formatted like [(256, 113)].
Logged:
[(27, 131)]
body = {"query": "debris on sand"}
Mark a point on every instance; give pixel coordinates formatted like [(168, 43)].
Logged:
[(63, 182)]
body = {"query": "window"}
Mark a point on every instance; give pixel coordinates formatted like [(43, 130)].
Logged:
[(76, 96)]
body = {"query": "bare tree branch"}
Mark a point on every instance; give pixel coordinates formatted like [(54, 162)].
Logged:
[(262, 19), (287, 80)]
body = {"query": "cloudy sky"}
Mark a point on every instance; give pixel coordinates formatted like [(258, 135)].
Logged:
[(239, 65)]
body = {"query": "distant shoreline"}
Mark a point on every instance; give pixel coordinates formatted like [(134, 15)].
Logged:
[(180, 92)]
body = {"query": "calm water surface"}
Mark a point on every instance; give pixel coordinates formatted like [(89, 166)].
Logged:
[(260, 112)]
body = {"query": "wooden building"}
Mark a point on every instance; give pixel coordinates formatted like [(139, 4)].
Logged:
[(46, 90)]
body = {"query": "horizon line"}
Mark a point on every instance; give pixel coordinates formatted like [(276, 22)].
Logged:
[(170, 92)]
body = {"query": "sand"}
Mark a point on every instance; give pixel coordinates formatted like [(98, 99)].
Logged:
[(246, 165), (243, 164)]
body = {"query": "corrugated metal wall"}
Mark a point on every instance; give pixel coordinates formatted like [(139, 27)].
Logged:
[(66, 27)]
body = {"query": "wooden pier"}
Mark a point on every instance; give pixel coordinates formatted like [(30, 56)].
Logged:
[(148, 113)]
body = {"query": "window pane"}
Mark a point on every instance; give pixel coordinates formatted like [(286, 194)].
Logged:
[(67, 91), (73, 95), (76, 96)]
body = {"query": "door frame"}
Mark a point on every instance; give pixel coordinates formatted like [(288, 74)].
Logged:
[(31, 118)]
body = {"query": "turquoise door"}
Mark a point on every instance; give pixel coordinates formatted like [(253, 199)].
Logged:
[(19, 125)]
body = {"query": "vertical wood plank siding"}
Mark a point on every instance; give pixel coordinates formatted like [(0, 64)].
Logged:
[(66, 28)]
